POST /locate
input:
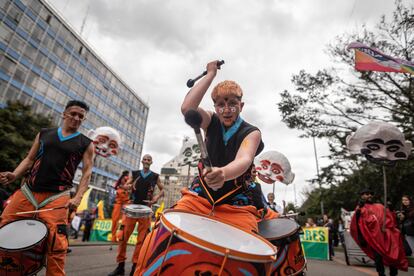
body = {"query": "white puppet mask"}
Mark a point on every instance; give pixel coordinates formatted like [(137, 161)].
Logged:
[(106, 140), (189, 153), (273, 166), (380, 142)]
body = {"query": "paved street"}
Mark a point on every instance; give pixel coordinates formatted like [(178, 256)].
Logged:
[(99, 260)]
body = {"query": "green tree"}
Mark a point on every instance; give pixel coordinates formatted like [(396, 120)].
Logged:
[(18, 128), (336, 101)]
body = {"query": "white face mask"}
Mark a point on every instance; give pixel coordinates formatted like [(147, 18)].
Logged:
[(273, 166), (379, 142), (106, 140), (189, 153)]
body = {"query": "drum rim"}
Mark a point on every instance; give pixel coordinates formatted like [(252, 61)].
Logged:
[(213, 248), (136, 215), (27, 247), (279, 237), (147, 207)]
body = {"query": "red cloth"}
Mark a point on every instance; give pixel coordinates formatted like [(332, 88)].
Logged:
[(388, 244)]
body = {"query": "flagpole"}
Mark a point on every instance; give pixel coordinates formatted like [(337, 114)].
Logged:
[(317, 172)]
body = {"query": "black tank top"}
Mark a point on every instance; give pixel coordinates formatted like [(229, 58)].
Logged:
[(144, 186), (56, 161), (222, 154)]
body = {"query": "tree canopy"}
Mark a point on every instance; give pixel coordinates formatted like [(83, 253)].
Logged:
[(334, 102), (18, 129)]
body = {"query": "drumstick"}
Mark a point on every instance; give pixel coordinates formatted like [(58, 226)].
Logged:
[(39, 211), (194, 119), (191, 82)]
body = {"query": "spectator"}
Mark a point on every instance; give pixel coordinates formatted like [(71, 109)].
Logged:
[(341, 229), (329, 224), (406, 219), (310, 223), (88, 219)]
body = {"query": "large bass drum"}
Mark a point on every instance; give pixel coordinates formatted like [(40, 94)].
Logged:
[(193, 244)]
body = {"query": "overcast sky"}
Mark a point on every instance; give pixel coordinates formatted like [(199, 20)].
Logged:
[(156, 45)]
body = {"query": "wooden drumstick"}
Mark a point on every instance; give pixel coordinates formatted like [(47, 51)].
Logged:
[(39, 211)]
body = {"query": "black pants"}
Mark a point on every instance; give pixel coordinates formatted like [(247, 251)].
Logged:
[(379, 266)]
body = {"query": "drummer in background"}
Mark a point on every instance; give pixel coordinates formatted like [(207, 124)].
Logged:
[(143, 185), (121, 198), (52, 161)]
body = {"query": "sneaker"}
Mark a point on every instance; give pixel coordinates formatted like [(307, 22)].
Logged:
[(119, 270), (134, 266)]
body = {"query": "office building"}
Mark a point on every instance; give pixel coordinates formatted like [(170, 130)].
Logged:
[(45, 63)]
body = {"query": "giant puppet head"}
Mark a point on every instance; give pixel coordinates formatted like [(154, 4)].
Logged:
[(106, 140), (272, 166), (189, 153), (380, 142)]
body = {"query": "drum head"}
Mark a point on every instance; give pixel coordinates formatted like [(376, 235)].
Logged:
[(208, 230), (275, 229), (21, 234), (138, 208)]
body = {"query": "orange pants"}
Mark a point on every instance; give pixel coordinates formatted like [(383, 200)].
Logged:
[(116, 215), (128, 225), (56, 221), (243, 217)]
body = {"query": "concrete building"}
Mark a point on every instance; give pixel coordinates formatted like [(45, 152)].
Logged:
[(45, 63)]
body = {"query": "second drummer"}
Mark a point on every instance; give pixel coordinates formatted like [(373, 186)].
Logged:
[(143, 185)]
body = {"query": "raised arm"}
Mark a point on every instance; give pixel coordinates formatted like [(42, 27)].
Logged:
[(193, 98)]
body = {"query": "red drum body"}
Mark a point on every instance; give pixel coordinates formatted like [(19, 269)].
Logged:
[(284, 233), (192, 244), (22, 247)]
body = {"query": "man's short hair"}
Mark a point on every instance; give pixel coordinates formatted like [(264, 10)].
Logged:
[(366, 191), (77, 103), (227, 88)]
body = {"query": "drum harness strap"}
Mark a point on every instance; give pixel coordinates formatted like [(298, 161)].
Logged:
[(29, 195)]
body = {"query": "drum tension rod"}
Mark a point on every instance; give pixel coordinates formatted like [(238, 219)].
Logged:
[(224, 261), (174, 230)]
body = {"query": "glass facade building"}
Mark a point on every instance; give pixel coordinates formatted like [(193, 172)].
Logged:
[(45, 63)]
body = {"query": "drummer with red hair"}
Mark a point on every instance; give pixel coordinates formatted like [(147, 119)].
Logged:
[(232, 143)]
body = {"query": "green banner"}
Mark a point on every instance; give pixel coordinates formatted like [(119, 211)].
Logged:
[(101, 231), (315, 242)]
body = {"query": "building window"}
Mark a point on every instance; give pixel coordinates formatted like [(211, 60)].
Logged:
[(32, 80), (20, 74), (30, 52), (8, 65), (17, 43), (14, 14), (12, 93), (5, 33), (26, 24)]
